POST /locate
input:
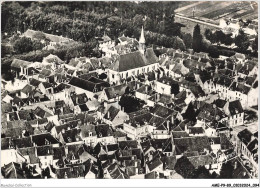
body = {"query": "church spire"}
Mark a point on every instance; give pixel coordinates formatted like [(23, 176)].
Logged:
[(142, 39), (142, 42)]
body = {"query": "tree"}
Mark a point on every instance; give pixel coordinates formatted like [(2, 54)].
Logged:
[(37, 45), (242, 41), (255, 45), (175, 88), (226, 171), (179, 44), (23, 45), (184, 167), (202, 173), (190, 113), (187, 39), (39, 36), (130, 103), (197, 39)]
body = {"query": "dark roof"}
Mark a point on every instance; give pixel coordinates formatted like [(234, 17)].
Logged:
[(58, 152), (220, 103), (235, 107), (162, 111), (242, 88), (12, 171), (201, 160), (27, 89), (79, 98), (41, 139), (196, 130), (113, 92), (245, 136), (154, 164), (87, 85), (189, 144), (34, 82), (71, 135), (128, 144), (6, 143), (112, 111), (23, 142), (103, 130), (6, 107), (41, 113)]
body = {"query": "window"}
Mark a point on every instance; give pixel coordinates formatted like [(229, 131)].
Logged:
[(113, 76)]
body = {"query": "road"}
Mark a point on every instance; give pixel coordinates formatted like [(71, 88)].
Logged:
[(197, 21)]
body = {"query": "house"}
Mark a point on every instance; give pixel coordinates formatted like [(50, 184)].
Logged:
[(88, 87), (9, 154), (104, 134), (115, 117), (20, 67), (235, 113), (190, 144), (113, 93), (247, 147)]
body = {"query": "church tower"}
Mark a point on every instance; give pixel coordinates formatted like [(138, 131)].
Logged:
[(142, 42)]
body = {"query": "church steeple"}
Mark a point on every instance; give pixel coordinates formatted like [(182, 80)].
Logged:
[(142, 42)]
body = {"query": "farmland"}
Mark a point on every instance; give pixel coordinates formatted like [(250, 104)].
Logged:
[(218, 10)]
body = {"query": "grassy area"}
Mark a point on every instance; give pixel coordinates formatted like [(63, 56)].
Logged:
[(217, 10)]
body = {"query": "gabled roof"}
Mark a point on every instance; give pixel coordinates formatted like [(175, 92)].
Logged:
[(41, 112), (162, 111), (111, 113), (128, 144), (12, 171), (27, 89), (201, 160), (114, 91), (103, 130), (189, 144), (245, 136), (235, 107), (34, 82), (154, 164), (18, 63), (239, 87), (43, 139), (87, 85), (6, 107)]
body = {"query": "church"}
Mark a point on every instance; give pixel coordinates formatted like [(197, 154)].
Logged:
[(134, 63)]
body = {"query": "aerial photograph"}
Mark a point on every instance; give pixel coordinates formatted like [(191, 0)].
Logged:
[(129, 90)]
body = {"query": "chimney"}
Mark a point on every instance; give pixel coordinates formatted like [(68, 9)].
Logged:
[(172, 119), (234, 66), (186, 128), (146, 89), (77, 99), (157, 97), (168, 125), (235, 165), (108, 114), (35, 150), (246, 66), (105, 104)]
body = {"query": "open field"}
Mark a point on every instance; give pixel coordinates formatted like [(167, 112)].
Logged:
[(217, 10)]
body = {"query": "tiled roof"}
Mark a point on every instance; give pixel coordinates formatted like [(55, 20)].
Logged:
[(198, 143), (17, 63), (235, 107)]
